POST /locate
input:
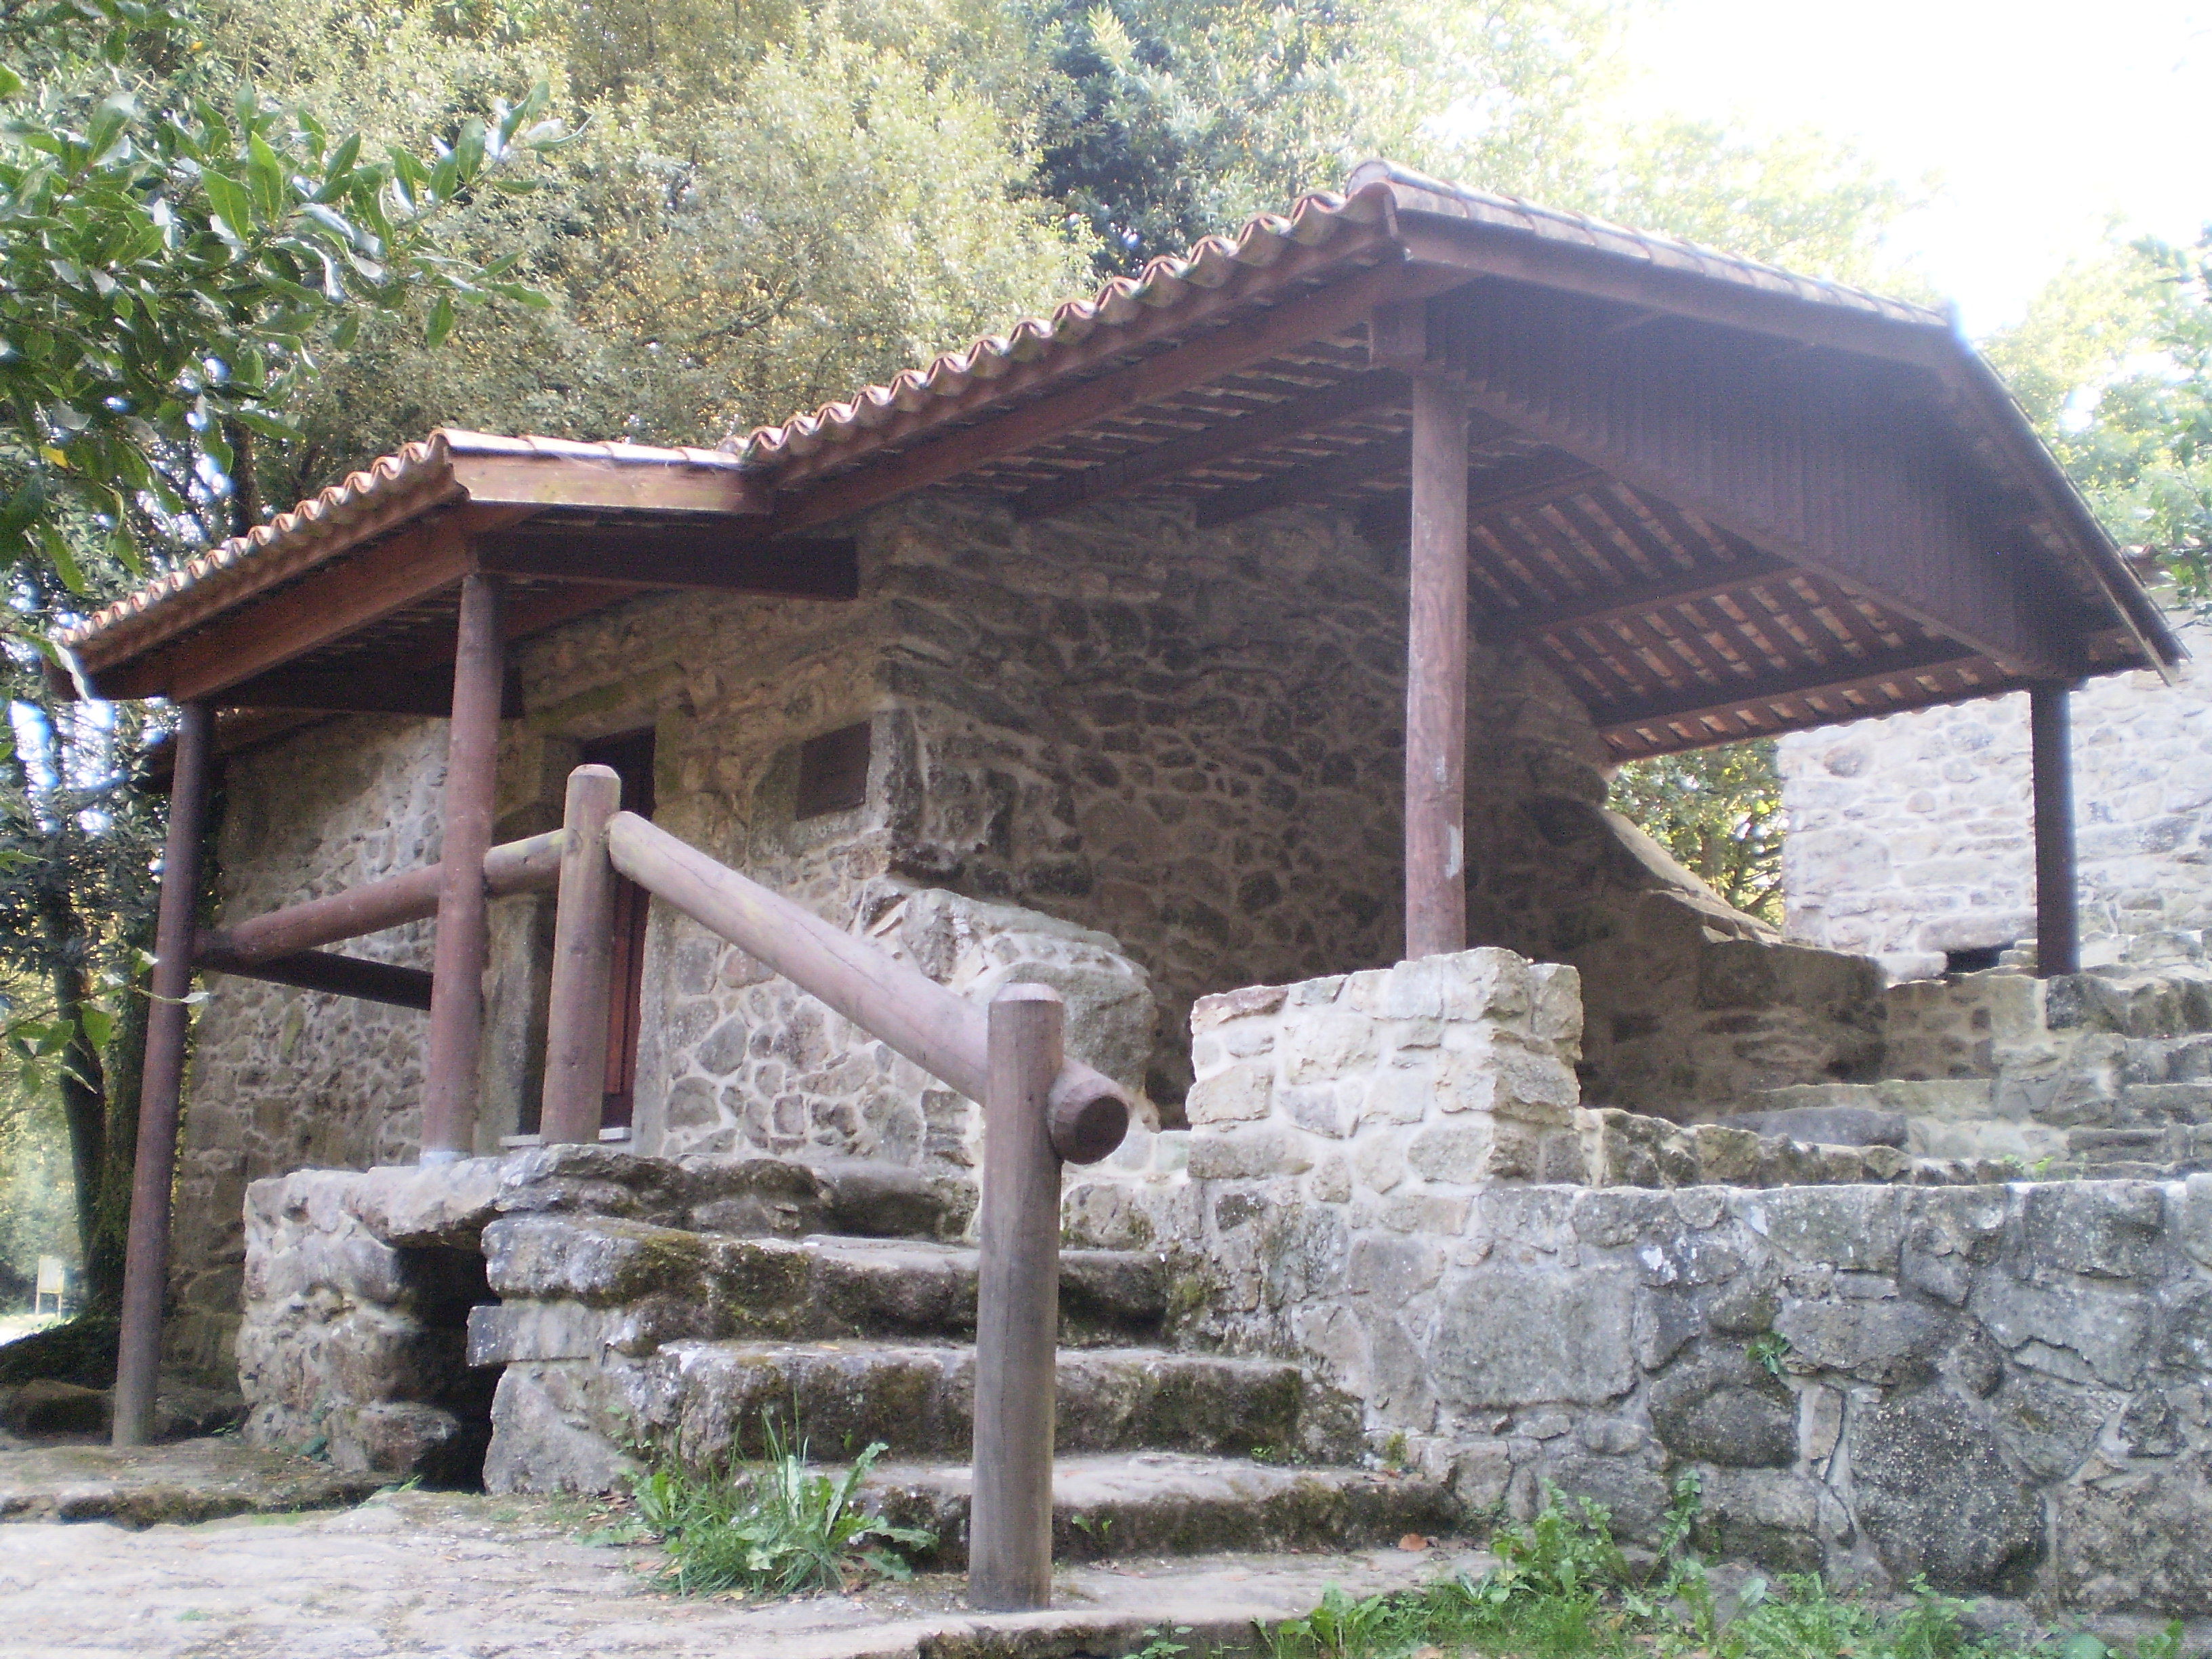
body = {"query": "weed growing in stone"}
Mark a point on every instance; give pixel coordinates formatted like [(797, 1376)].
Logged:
[(1563, 1590), (778, 1528)]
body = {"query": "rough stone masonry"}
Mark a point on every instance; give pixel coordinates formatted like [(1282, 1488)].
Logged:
[(1910, 837), (2006, 1388), (1167, 757)]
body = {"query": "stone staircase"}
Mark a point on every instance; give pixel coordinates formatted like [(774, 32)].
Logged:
[(619, 1331), (2104, 1073)]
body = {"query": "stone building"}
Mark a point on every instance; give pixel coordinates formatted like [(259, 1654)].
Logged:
[(1910, 839), (1231, 651)]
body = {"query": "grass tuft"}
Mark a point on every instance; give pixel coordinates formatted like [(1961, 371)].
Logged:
[(775, 1529), (1563, 1590)]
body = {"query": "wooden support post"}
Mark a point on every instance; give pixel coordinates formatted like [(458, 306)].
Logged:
[(1436, 675), (449, 1093), (161, 1088), (1018, 1310), (2057, 916), (583, 963)]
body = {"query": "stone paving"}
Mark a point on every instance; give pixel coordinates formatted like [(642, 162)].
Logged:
[(447, 1576), (188, 1480)]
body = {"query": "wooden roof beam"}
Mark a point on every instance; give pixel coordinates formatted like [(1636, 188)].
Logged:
[(679, 558), (1651, 291), (1498, 486), (1309, 482), (368, 686), (1609, 605), (1292, 418), (330, 602), (1201, 357), (526, 479), (1832, 678)]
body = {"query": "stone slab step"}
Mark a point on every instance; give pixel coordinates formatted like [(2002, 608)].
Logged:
[(184, 1482), (708, 1399), (665, 1283), (1158, 1503)]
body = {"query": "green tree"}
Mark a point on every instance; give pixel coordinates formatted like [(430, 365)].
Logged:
[(2113, 365), (1717, 811), (174, 248), (166, 258), (751, 223)]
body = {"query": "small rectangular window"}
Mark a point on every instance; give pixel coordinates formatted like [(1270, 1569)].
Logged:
[(833, 772)]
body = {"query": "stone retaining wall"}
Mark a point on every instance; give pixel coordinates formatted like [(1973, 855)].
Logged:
[(2006, 1388)]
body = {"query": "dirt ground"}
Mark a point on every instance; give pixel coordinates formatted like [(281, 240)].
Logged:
[(447, 1575)]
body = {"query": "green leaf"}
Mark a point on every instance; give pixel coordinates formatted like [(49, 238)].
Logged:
[(64, 559), (441, 322), (268, 175), (11, 84), (98, 1024), (267, 425), (229, 200), (469, 150)]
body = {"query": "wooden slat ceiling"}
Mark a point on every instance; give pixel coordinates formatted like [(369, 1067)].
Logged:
[(1675, 633)]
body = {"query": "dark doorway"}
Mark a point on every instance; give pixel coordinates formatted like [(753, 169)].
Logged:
[(631, 757)]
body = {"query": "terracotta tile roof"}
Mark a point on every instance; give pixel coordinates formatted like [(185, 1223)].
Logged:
[(1375, 190), (1417, 193), (421, 476), (390, 490), (1315, 220)]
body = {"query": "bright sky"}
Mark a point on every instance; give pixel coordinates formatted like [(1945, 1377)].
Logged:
[(2040, 119)]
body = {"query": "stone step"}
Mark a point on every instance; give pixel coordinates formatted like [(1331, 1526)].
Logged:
[(1156, 1503), (2172, 1059), (572, 1284), (2134, 1002), (707, 1401)]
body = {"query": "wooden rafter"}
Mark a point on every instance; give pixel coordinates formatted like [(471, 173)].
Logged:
[(1833, 678), (1315, 481), (1497, 489), (1293, 417), (1208, 357), (1106, 347)]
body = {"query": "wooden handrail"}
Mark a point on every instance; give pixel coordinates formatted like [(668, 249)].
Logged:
[(898, 1005), (323, 970), (514, 866)]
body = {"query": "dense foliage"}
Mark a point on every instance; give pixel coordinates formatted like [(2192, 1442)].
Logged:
[(1719, 812), (174, 248), (2113, 363)]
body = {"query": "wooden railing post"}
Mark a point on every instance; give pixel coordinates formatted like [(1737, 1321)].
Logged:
[(583, 962), (1018, 1310), (161, 1087), (464, 941)]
